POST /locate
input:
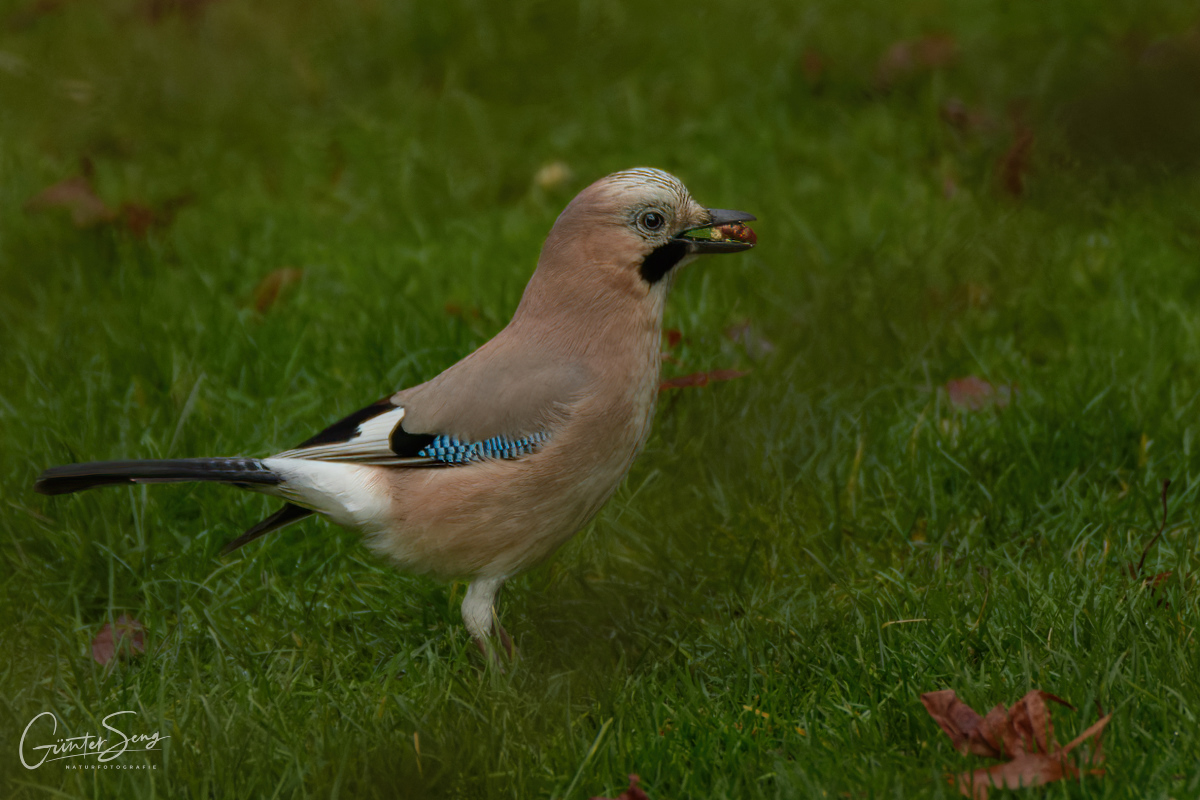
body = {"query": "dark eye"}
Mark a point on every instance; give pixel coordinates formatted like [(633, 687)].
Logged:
[(652, 220)]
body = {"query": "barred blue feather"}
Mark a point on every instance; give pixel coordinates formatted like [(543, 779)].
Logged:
[(449, 450)]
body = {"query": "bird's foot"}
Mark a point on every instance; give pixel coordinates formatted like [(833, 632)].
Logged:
[(489, 649)]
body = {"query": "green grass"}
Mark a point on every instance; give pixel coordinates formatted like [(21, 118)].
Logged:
[(775, 525)]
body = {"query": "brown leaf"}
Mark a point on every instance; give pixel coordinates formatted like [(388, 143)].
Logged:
[(122, 638), (702, 378), (960, 722), (1012, 167), (1030, 724), (1022, 772), (634, 792), (975, 394), (269, 288), (1023, 733), (674, 337), (77, 196)]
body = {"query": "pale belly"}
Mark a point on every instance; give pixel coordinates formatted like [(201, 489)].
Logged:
[(498, 518)]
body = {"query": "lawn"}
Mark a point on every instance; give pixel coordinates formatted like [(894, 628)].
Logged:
[(945, 189)]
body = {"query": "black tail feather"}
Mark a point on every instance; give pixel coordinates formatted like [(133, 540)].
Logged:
[(76, 477), (283, 517)]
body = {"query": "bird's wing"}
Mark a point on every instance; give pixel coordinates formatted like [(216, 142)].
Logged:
[(371, 435), (491, 404)]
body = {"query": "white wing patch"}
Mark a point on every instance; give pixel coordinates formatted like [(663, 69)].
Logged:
[(371, 444)]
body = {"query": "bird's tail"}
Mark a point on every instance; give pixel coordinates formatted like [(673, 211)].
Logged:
[(77, 477)]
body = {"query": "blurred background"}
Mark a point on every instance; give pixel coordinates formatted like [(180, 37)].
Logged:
[(970, 326)]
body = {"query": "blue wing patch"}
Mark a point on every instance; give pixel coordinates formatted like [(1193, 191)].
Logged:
[(449, 450)]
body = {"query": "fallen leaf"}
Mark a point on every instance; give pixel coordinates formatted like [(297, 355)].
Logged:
[(975, 394), (1012, 167), (77, 196), (1024, 734), (702, 378), (1020, 773), (109, 642), (674, 337), (270, 287), (634, 792), (960, 722)]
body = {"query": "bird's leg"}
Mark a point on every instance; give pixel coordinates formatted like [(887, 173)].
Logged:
[(479, 615)]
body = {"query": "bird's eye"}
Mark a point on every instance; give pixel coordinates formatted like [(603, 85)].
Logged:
[(652, 220)]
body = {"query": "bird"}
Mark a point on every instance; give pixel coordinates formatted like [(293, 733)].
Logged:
[(483, 471)]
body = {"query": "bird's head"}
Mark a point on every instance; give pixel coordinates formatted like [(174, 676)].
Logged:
[(640, 226)]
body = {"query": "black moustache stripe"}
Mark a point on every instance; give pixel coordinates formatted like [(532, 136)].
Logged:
[(662, 260)]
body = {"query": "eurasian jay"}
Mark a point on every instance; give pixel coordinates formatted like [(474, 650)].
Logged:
[(485, 470)]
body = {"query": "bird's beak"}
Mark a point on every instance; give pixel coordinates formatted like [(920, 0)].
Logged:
[(720, 234)]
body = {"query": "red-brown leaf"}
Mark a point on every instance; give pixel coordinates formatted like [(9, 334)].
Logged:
[(702, 378), (674, 337), (960, 722), (1023, 733), (1022, 772), (634, 792), (1029, 720), (123, 638)]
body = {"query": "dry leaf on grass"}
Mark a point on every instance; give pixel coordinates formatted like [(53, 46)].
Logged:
[(1023, 734), (634, 792), (122, 638), (700, 379)]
